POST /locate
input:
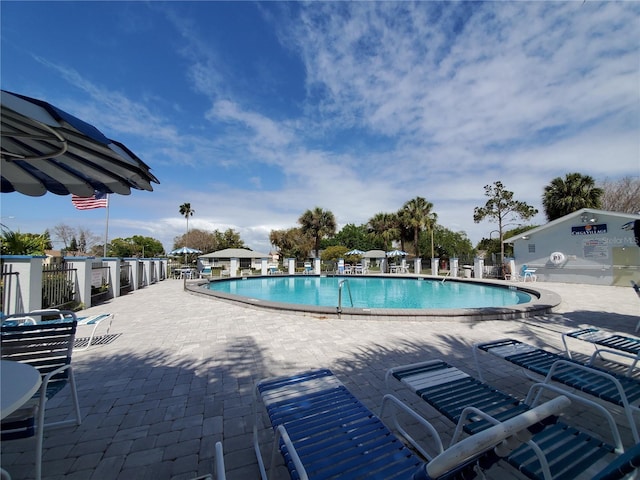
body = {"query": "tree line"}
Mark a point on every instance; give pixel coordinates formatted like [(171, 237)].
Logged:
[(413, 227)]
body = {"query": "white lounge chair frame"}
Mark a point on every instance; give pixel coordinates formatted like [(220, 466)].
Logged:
[(35, 317), (594, 336), (292, 393), (629, 410)]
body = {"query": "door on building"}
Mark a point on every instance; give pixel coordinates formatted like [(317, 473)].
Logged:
[(626, 265)]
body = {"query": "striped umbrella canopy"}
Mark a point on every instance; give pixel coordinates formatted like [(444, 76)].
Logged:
[(184, 251), (45, 149), (396, 253)]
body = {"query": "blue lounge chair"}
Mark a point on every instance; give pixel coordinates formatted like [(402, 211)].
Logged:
[(323, 431), (623, 467), (605, 385), (620, 345), (557, 450)]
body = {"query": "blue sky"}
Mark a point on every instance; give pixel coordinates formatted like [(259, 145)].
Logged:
[(254, 112)]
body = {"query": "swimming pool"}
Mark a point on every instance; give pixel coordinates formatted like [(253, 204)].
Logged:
[(522, 300), (372, 292)]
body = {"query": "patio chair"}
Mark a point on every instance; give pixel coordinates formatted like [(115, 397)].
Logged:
[(526, 272), (619, 345), (556, 450), (323, 431), (273, 269), (308, 269), (537, 363), (48, 348), (48, 316)]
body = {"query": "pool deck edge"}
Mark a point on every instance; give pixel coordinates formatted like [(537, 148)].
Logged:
[(543, 302)]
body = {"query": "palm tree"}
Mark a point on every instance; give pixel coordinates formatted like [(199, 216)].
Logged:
[(575, 191), (317, 224), (384, 226), (416, 214), (187, 211)]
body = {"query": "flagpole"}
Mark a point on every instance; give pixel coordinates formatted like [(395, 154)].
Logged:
[(106, 232)]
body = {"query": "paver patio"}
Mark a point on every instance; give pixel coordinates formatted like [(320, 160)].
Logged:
[(179, 375)]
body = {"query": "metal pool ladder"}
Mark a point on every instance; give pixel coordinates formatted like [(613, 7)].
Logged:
[(342, 282)]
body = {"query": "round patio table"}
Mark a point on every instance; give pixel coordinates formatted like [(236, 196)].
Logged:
[(18, 383)]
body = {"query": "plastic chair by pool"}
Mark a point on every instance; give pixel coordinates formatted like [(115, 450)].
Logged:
[(526, 272)]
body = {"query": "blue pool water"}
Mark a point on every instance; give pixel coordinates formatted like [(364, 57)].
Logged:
[(373, 292)]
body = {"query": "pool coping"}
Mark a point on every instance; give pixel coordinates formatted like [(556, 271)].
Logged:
[(543, 302)]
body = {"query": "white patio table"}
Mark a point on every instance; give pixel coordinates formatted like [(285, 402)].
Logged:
[(18, 383)]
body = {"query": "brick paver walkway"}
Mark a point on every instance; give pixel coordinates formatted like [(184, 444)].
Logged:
[(179, 375)]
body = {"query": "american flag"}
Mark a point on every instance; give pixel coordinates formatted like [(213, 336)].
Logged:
[(97, 200)]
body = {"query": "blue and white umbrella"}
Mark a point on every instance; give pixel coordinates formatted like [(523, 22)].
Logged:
[(355, 251), (45, 149), (396, 253), (184, 251)]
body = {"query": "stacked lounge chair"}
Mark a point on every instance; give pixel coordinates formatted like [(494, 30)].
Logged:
[(608, 386), (323, 431), (606, 342), (555, 451)]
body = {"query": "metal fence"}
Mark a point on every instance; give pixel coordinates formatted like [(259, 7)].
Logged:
[(58, 286), (141, 279), (99, 282), (9, 291), (125, 278)]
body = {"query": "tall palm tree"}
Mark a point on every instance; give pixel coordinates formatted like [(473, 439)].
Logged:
[(187, 211), (416, 214), (317, 224), (566, 195), (384, 226)]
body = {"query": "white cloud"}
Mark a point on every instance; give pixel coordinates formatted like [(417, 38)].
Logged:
[(435, 99)]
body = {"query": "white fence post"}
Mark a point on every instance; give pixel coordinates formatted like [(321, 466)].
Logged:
[(133, 272), (317, 268), (453, 268), (478, 267), (83, 266), (434, 265), (27, 282), (233, 267), (114, 275)]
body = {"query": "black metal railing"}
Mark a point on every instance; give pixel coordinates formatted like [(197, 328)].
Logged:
[(125, 278), (10, 301), (58, 286)]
